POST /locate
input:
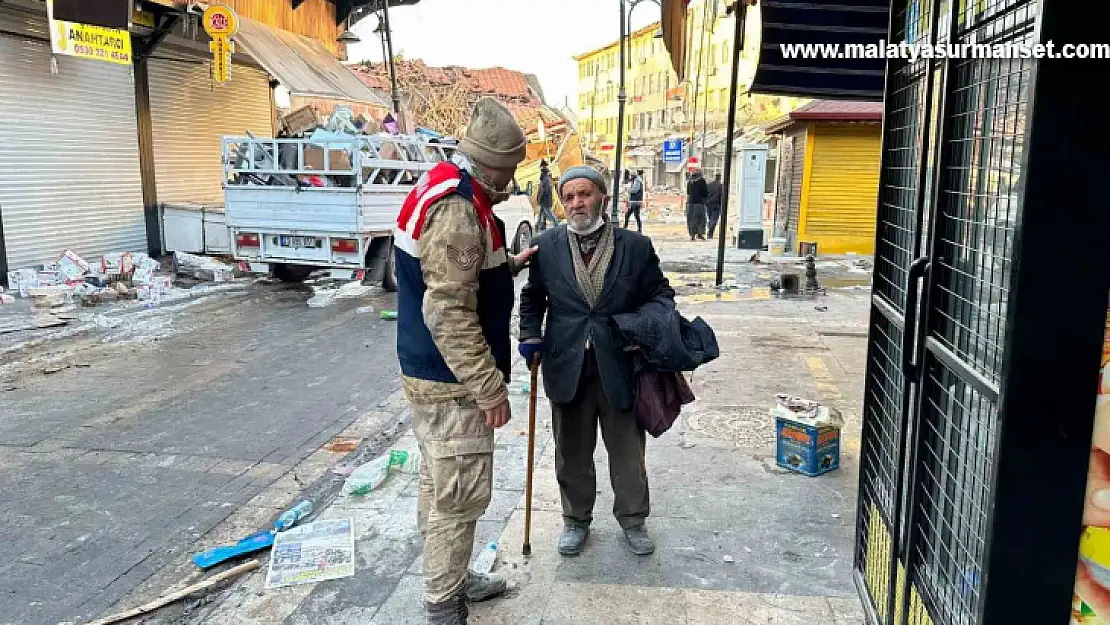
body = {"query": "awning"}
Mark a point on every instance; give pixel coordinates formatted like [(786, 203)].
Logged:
[(302, 65), (674, 34), (796, 23)]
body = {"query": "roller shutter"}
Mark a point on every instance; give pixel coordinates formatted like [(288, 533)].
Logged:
[(69, 156), (843, 188), (190, 115)]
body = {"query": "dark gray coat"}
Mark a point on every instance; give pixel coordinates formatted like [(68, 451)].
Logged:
[(633, 280)]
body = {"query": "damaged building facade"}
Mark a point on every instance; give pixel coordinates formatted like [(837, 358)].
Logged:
[(93, 150)]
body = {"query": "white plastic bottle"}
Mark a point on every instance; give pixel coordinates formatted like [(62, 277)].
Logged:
[(486, 559)]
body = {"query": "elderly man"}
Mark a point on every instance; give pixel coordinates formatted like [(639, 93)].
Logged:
[(455, 300), (582, 275)]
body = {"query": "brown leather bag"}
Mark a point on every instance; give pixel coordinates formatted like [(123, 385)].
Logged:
[(660, 396)]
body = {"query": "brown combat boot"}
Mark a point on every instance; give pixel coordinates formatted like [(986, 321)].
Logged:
[(451, 612)]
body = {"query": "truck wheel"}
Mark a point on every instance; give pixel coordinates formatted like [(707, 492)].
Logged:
[(389, 278), (522, 239), (292, 273)]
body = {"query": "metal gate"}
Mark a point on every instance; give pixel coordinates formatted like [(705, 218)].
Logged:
[(953, 138)]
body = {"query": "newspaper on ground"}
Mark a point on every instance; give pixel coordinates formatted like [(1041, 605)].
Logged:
[(311, 553)]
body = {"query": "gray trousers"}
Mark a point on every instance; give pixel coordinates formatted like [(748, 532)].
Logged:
[(575, 426)]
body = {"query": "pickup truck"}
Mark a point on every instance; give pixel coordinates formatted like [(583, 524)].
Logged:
[(294, 206)]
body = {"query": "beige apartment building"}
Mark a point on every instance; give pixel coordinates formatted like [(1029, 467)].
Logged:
[(659, 107)]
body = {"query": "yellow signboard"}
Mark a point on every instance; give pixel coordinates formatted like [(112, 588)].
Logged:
[(221, 23), (140, 17), (89, 42)]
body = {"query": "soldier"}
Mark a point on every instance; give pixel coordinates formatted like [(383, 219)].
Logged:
[(455, 301)]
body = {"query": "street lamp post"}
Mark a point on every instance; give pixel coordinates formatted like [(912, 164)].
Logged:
[(392, 69), (740, 10), (622, 97)]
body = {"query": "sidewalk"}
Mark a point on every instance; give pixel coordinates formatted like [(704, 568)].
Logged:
[(739, 539)]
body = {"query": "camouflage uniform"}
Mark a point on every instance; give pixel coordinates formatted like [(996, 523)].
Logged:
[(456, 476)]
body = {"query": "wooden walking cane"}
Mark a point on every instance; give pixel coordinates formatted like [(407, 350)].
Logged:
[(531, 456)]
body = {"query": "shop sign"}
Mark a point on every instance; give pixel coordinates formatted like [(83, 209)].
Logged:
[(88, 42), (672, 151), (221, 23)]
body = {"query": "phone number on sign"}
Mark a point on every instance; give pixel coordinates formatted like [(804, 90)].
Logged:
[(101, 53)]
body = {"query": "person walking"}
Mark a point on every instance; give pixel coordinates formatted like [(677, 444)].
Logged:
[(713, 202), (635, 199), (697, 191), (583, 275), (545, 198), (454, 304)]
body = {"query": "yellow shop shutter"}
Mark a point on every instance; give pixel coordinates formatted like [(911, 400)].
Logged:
[(844, 188)]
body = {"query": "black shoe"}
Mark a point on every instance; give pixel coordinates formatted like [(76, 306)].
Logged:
[(450, 612), (573, 539), (638, 540)]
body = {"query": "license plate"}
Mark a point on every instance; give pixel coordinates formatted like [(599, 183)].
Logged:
[(291, 241)]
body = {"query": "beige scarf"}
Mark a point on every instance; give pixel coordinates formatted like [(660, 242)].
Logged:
[(592, 276)]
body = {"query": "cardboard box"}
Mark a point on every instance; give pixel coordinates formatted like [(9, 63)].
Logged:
[(806, 449), (340, 160), (301, 121)]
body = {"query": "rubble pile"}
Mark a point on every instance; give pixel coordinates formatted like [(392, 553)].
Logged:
[(72, 281), (331, 151)]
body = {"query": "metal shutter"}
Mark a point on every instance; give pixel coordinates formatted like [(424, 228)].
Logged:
[(69, 155), (843, 188), (191, 114)]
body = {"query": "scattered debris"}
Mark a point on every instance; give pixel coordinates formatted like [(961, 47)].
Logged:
[(343, 444), (389, 315), (729, 560), (373, 474), (146, 608), (204, 268), (256, 541), (311, 553)]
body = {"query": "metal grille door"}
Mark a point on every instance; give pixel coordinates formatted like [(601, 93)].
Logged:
[(953, 141)]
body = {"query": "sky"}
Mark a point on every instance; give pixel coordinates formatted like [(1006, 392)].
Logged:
[(532, 36)]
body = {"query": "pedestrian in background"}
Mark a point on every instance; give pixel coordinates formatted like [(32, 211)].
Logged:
[(713, 202), (545, 198), (454, 304), (697, 191), (635, 199), (583, 275)]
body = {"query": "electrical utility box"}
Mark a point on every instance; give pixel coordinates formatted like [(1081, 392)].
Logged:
[(750, 181)]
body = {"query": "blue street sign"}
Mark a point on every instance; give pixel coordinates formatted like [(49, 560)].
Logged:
[(672, 151)]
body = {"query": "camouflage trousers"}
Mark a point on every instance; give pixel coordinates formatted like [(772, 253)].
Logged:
[(456, 484)]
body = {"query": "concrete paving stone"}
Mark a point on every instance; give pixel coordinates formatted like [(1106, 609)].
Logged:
[(405, 605), (789, 558), (847, 611), (741, 608), (592, 604), (386, 544)]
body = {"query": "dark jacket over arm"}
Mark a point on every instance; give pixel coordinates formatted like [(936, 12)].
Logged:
[(633, 282)]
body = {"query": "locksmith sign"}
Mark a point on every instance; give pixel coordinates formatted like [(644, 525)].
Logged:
[(89, 42), (220, 23)]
